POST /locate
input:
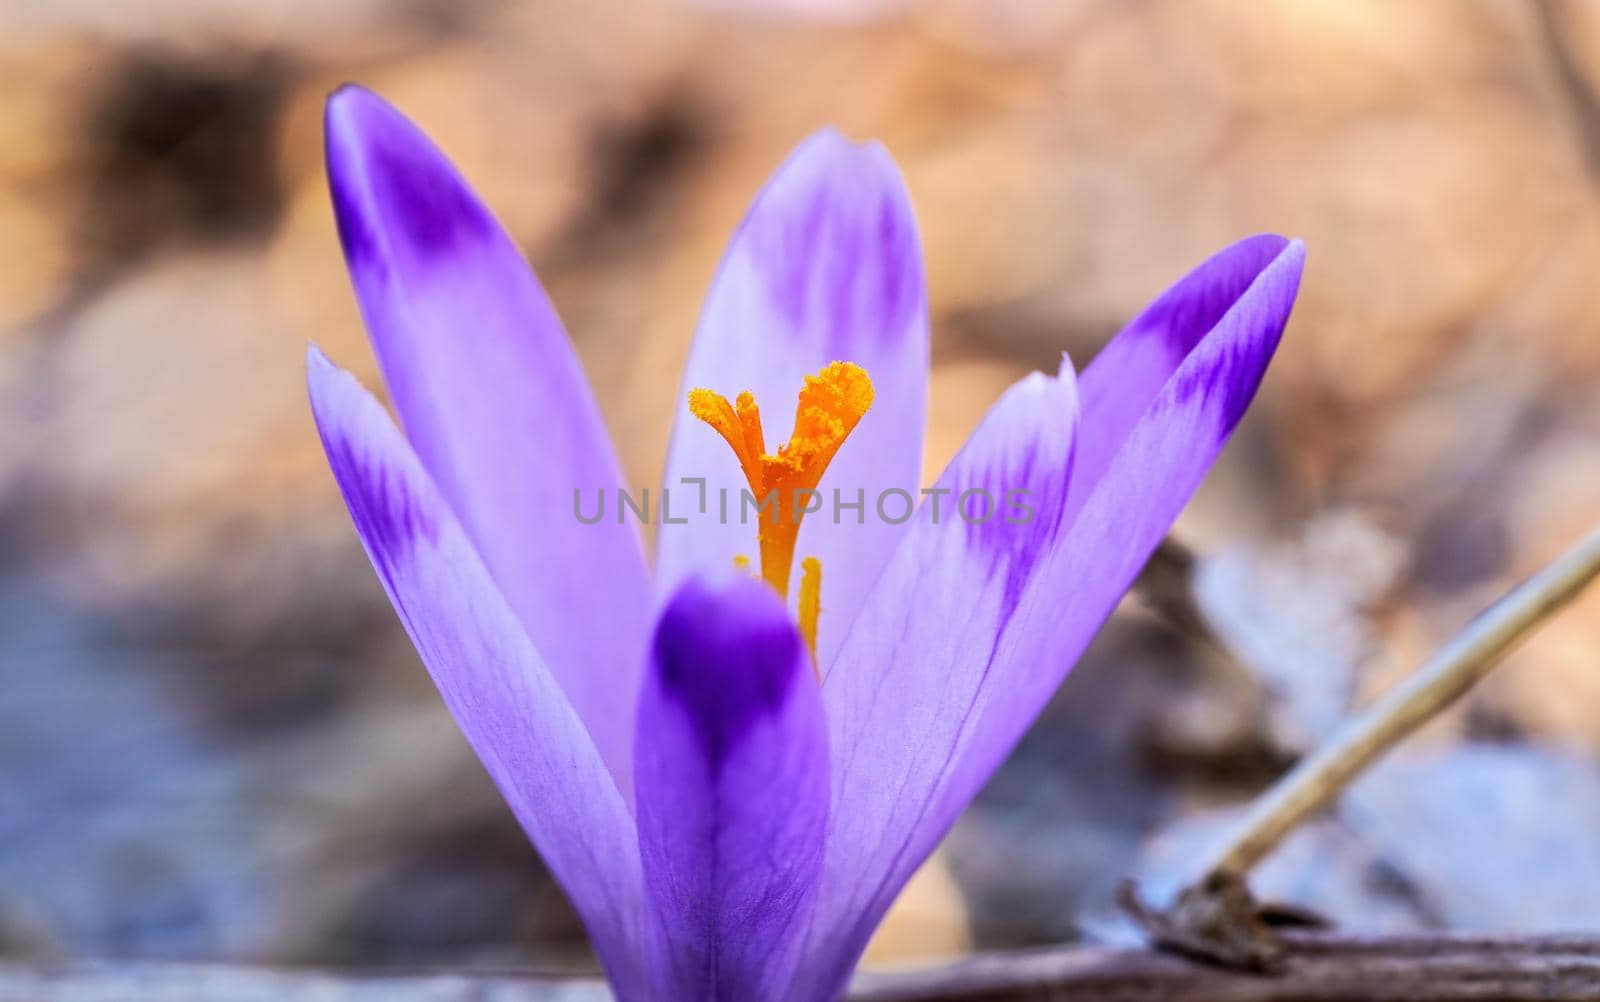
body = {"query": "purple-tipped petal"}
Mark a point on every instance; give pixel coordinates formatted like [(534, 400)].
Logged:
[(905, 668), (495, 404), (732, 767), (511, 709), (917, 658), (1119, 385), (826, 267)]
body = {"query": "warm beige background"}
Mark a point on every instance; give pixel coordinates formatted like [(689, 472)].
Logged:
[(214, 740)]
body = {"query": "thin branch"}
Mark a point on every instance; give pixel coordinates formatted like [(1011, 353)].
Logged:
[(1216, 917), (1433, 968), (1456, 668)]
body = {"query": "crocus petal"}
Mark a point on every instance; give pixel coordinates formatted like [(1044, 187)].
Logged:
[(494, 403), (918, 655), (732, 765), (511, 709), (904, 669), (826, 267), (1131, 369)]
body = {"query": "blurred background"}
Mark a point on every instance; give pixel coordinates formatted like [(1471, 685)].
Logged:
[(215, 741)]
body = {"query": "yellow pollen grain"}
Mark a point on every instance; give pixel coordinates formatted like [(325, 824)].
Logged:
[(741, 562)]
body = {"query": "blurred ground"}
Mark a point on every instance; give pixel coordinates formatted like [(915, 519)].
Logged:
[(214, 739)]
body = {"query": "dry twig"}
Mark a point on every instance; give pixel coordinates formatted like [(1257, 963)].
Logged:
[(1215, 917), (1318, 967)]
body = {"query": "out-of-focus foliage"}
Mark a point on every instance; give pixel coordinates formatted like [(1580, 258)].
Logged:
[(215, 741)]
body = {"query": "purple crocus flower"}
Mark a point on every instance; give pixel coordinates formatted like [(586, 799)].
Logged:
[(732, 792)]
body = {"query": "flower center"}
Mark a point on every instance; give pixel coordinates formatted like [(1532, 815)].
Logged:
[(831, 403)]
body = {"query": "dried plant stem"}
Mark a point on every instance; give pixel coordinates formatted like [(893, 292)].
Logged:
[(1319, 778), (1426, 968)]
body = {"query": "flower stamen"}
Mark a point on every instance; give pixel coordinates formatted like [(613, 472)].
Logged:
[(831, 403), (811, 607)]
